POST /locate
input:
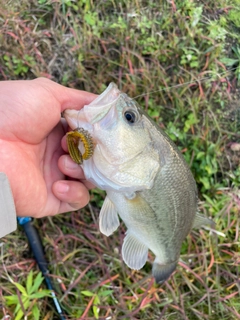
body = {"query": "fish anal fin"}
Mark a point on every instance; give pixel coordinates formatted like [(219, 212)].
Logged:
[(108, 219), (200, 221), (134, 252)]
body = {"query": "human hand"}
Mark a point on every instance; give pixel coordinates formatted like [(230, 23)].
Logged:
[(32, 151)]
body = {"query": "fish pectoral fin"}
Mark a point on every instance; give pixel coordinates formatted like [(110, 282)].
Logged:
[(108, 219), (200, 221), (134, 252)]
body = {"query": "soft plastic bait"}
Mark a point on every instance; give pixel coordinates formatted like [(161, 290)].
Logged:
[(73, 138)]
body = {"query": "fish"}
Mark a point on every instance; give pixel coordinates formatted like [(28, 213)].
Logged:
[(147, 181)]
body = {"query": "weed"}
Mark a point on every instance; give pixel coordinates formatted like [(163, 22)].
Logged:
[(27, 298)]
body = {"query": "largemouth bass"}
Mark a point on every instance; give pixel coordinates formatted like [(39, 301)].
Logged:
[(148, 183)]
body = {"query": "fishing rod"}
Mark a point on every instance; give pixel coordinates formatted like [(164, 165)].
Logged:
[(36, 245)]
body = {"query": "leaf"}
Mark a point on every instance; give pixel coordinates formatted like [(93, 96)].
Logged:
[(205, 182), (90, 18), (37, 282), (29, 281), (87, 293), (19, 315), (105, 293), (21, 288), (236, 50), (189, 122), (229, 61), (96, 300), (41, 294), (209, 200), (196, 15), (96, 312), (194, 64), (26, 303), (11, 300), (153, 113), (200, 155), (36, 312)]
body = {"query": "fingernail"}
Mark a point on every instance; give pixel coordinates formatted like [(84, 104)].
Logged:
[(62, 187), (70, 164)]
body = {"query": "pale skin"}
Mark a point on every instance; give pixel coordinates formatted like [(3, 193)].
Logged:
[(33, 152)]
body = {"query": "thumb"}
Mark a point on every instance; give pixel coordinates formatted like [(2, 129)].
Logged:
[(68, 98)]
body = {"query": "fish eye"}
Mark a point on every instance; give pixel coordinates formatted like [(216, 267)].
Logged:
[(130, 116)]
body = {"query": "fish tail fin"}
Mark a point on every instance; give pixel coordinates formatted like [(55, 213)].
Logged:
[(162, 272), (200, 221)]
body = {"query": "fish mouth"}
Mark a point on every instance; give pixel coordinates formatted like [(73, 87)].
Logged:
[(80, 140), (75, 118)]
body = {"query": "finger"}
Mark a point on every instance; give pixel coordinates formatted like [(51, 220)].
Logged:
[(71, 169), (72, 194), (64, 144), (67, 97)]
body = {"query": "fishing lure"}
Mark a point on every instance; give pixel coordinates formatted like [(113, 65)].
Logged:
[(73, 138)]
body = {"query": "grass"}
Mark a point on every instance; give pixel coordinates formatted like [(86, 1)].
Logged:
[(181, 60)]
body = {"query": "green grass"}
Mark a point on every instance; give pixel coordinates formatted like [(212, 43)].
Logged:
[(181, 60)]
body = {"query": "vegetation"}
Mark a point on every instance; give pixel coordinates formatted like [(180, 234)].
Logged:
[(181, 60)]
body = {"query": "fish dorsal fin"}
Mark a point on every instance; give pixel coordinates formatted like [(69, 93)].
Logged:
[(134, 252), (200, 221), (108, 219)]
